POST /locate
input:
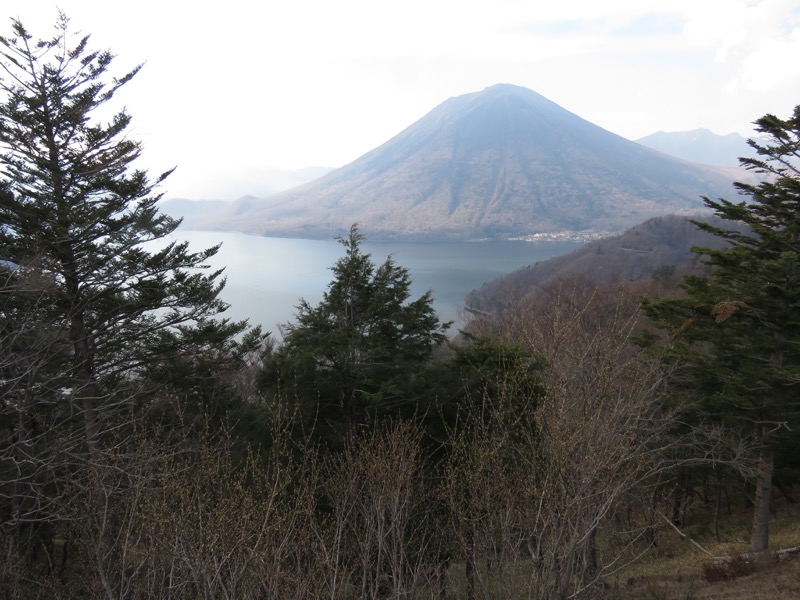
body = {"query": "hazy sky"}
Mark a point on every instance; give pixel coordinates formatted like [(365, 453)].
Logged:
[(232, 87)]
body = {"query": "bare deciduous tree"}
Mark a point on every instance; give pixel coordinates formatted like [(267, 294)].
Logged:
[(595, 445)]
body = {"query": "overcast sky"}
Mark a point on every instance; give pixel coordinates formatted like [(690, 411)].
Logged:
[(232, 87)]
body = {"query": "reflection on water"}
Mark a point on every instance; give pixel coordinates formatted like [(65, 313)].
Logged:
[(267, 276)]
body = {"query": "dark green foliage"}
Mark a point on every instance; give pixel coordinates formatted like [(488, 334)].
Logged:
[(737, 331), (485, 375), (112, 284), (359, 354), (101, 313)]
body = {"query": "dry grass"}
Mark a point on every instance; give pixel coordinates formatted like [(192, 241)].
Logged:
[(770, 581), (677, 570)]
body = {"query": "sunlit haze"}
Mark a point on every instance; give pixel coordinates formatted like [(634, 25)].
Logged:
[(231, 88)]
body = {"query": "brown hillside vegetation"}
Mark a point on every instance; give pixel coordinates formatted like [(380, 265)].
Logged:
[(689, 540), (659, 247)]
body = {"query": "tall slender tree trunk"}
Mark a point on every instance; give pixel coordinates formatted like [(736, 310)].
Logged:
[(590, 556), (84, 372), (83, 360), (759, 540), (766, 460)]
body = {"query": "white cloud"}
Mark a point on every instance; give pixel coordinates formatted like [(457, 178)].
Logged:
[(759, 40), (295, 83)]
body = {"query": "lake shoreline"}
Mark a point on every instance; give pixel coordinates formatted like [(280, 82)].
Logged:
[(268, 276)]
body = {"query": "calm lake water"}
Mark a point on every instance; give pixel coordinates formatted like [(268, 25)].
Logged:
[(267, 276)]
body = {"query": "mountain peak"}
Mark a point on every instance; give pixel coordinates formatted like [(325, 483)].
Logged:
[(508, 89), (502, 162)]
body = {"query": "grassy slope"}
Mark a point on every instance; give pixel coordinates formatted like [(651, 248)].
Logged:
[(675, 568)]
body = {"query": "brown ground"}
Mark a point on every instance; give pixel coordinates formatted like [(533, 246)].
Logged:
[(677, 570)]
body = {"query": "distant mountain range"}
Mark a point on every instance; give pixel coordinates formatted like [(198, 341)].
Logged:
[(249, 182), (701, 146), (504, 162)]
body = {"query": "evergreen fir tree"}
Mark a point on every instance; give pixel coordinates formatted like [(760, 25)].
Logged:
[(100, 308), (738, 329), (361, 351)]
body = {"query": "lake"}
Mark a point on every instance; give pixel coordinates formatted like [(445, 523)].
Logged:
[(267, 276)]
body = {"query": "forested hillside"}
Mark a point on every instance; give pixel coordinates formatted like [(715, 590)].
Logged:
[(660, 248), (152, 448)]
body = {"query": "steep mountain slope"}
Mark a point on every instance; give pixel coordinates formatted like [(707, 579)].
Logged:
[(661, 244), (498, 163)]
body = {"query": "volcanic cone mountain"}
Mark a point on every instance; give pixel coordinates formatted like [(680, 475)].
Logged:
[(498, 163)]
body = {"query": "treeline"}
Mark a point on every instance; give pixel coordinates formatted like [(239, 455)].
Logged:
[(150, 448)]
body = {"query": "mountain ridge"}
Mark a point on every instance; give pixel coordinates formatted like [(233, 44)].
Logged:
[(661, 245), (700, 145)]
